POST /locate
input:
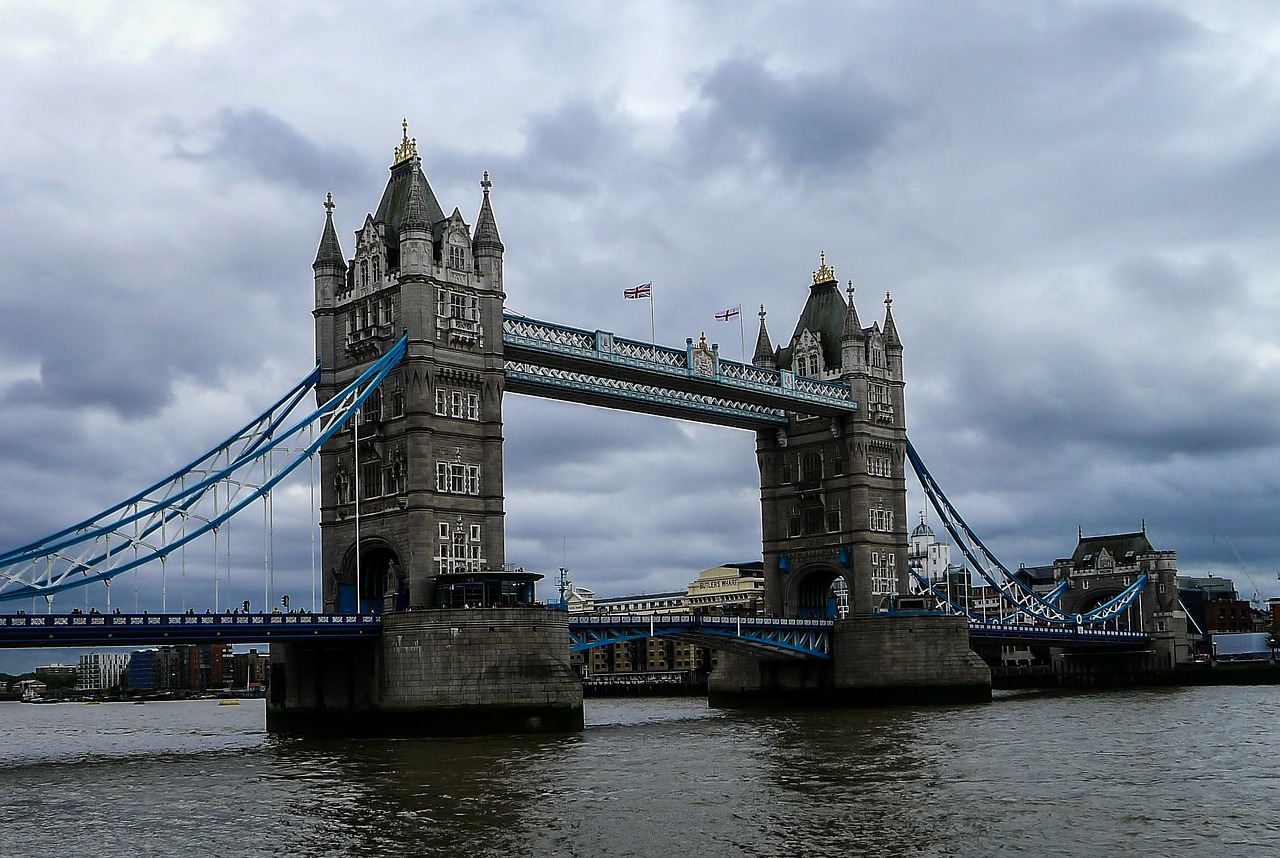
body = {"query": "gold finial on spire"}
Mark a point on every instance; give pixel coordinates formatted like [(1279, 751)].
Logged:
[(825, 272), (408, 147)]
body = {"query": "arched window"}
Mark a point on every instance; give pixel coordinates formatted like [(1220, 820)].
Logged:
[(810, 468)]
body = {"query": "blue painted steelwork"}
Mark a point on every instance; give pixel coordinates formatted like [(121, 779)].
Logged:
[(1012, 590), (44, 630), (649, 398), (155, 522), (555, 361), (757, 635), (954, 607)]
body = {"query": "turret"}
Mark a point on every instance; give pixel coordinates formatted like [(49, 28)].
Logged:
[(892, 345), (415, 233), (330, 268), (486, 246), (852, 339), (764, 356)]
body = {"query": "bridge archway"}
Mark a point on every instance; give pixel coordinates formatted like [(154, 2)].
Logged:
[(1130, 620), (816, 592), (380, 572)]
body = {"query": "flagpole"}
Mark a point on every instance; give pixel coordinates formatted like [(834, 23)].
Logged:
[(742, 335), (653, 336)]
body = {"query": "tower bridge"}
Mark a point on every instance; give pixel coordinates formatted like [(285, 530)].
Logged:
[(416, 352)]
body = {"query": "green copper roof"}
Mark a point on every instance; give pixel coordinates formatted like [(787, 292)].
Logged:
[(395, 199), (824, 314)]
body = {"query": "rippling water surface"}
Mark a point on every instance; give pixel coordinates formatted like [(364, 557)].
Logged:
[(1186, 772)]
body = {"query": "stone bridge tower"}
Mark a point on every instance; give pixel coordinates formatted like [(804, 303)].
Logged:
[(833, 490), (411, 509), (426, 477), (833, 504)]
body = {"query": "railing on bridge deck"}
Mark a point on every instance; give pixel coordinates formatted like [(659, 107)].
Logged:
[(544, 355), (810, 638), (758, 635), (42, 630), (1079, 635)]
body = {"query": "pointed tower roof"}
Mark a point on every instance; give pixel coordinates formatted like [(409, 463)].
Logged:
[(406, 172), (764, 348), (415, 210), (890, 329), (852, 325), (486, 234), (330, 251), (823, 313)]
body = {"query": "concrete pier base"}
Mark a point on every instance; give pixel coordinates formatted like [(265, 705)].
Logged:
[(433, 673), (874, 661)]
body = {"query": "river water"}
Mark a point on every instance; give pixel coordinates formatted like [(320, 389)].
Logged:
[(1182, 772)]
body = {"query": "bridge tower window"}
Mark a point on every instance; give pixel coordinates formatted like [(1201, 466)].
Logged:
[(457, 478), (371, 480), (810, 468), (833, 518), (814, 517), (455, 552), (880, 519), (463, 405)]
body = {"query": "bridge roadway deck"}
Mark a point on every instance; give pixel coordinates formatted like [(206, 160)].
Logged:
[(751, 635), (45, 630), (809, 638), (1072, 637)]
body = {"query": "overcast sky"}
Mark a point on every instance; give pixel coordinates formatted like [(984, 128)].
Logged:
[(1074, 205)]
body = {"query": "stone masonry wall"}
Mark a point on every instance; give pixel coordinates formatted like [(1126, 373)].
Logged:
[(875, 661), (906, 652), (478, 658)]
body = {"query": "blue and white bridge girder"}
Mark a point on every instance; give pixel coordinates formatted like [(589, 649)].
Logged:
[(597, 368), (753, 636), (143, 630), (194, 500)]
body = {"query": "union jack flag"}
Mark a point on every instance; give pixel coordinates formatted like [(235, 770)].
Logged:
[(731, 313), (644, 290)]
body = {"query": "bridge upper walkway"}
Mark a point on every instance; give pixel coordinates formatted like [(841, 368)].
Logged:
[(558, 362)]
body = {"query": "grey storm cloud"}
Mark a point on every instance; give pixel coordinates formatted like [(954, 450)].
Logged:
[(253, 144), (807, 123)]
